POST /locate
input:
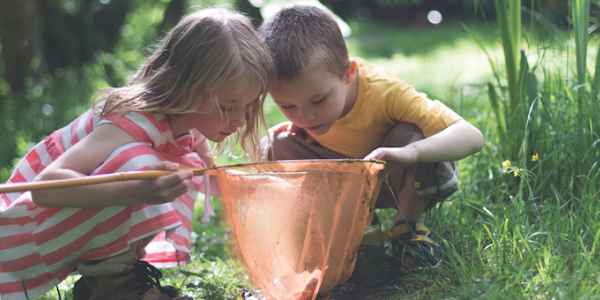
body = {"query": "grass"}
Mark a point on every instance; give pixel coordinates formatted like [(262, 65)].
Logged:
[(531, 236)]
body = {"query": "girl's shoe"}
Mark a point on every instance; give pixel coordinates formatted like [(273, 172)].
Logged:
[(123, 277), (414, 246)]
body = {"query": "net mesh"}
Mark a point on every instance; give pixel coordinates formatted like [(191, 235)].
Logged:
[(296, 225)]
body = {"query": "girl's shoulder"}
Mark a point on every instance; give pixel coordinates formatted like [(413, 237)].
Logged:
[(150, 128)]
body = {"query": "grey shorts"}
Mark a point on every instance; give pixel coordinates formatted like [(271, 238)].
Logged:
[(434, 181)]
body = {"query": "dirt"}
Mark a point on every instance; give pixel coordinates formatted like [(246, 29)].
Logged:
[(352, 291)]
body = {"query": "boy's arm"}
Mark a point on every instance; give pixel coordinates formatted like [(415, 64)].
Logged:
[(456, 142), (89, 153)]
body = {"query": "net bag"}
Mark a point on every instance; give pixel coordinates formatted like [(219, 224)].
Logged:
[(296, 225)]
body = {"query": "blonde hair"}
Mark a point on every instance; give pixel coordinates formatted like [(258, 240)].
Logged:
[(205, 52), (303, 38)]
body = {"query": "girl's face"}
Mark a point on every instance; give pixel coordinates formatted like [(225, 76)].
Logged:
[(224, 120)]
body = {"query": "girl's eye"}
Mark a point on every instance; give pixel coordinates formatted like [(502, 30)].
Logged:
[(287, 106), (225, 109)]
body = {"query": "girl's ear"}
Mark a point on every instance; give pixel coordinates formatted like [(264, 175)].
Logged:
[(349, 76)]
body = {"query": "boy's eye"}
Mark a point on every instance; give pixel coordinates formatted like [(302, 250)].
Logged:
[(320, 100)]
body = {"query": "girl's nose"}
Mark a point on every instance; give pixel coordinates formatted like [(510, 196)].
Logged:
[(237, 118)]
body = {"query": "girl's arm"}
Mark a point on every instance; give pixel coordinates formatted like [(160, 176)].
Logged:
[(203, 150), (89, 153), (456, 142)]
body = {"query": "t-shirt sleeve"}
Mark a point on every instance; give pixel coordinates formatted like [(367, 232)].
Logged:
[(144, 127), (431, 116)]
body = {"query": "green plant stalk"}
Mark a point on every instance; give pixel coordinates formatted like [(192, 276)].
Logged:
[(596, 80), (24, 289), (499, 116), (515, 26), (580, 10), (510, 42)]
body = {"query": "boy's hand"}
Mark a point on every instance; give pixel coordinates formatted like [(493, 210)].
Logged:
[(292, 129), (165, 188), (396, 158)]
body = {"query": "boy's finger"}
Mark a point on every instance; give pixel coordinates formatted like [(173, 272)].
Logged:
[(296, 129), (281, 127)]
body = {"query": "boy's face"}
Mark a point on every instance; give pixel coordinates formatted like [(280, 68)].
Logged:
[(314, 100)]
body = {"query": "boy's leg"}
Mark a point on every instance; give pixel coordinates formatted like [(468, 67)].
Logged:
[(285, 146), (418, 188), (413, 191)]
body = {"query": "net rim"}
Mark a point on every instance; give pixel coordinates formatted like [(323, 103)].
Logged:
[(285, 162)]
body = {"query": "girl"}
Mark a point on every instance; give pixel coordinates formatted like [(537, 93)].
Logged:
[(207, 80)]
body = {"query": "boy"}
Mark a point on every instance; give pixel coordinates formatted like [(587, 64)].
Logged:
[(347, 108)]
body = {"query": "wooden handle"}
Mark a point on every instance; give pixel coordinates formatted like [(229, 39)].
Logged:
[(94, 179)]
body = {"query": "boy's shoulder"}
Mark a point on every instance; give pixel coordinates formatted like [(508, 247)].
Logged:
[(375, 78)]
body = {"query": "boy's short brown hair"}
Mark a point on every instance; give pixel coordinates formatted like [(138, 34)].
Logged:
[(303, 38)]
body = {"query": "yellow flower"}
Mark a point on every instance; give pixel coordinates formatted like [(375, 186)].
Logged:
[(506, 164), (517, 170), (535, 157), (417, 184)]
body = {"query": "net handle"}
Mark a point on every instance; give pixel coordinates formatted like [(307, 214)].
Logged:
[(95, 179)]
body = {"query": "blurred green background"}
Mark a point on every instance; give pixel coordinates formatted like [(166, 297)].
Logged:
[(529, 229), (55, 54)]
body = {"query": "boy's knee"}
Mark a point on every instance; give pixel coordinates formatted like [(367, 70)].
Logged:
[(403, 134), (280, 146)]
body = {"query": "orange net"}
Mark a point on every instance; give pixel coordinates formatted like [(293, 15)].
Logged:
[(297, 225)]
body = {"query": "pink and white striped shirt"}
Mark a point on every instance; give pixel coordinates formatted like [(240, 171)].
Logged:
[(41, 245)]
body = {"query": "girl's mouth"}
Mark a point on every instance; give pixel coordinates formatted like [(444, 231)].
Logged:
[(313, 128)]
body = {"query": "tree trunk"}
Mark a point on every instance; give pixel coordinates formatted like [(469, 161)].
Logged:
[(61, 34), (175, 10), (20, 40)]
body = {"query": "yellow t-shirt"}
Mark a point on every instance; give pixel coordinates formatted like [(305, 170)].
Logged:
[(382, 102)]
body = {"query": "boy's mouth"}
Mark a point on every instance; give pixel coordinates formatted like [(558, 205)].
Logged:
[(313, 128)]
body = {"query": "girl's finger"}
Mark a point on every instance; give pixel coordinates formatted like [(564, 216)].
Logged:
[(176, 190), (164, 165), (175, 178)]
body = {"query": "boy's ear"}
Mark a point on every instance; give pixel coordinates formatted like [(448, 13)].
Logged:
[(349, 76)]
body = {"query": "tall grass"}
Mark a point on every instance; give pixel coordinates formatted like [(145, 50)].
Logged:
[(531, 114), (535, 233)]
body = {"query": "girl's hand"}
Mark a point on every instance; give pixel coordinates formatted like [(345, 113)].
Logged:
[(396, 158), (165, 188)]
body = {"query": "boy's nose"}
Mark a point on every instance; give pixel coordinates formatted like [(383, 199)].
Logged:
[(308, 115)]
